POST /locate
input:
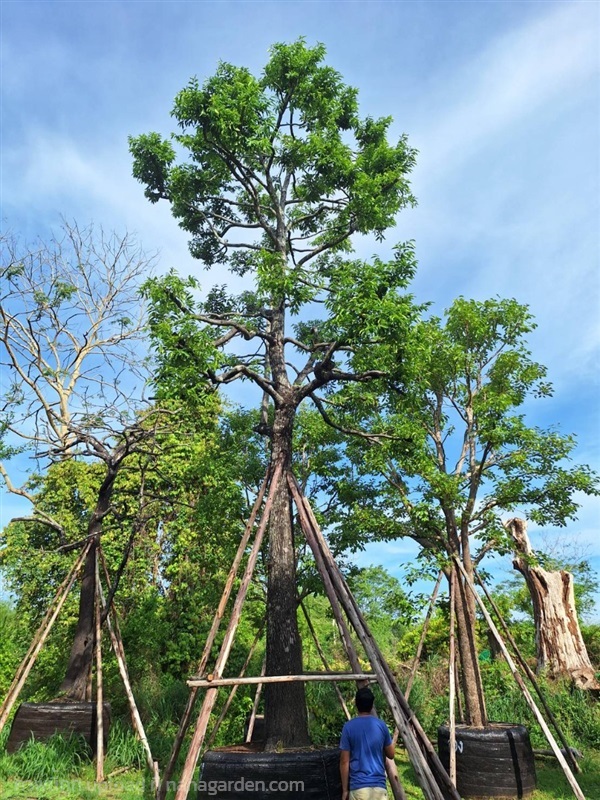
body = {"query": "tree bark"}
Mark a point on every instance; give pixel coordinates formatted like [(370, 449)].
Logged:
[(466, 623), (285, 704), (466, 627), (559, 644), (76, 683)]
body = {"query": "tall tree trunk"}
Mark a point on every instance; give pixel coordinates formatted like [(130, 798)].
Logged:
[(75, 685), (285, 704), (466, 623), (559, 645)]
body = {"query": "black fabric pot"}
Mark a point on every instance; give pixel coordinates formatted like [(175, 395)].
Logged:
[(496, 761), (246, 774), (43, 720)]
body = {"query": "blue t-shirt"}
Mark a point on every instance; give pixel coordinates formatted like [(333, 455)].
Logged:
[(365, 738)]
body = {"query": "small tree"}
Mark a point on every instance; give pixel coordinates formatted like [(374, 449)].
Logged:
[(280, 173), (455, 452), (72, 324)]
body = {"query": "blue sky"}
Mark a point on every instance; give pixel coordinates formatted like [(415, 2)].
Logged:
[(502, 100)]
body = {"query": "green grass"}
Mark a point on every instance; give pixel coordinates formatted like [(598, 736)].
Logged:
[(132, 785), (125, 786)]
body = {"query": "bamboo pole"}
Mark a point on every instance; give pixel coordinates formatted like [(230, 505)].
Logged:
[(323, 657), (451, 677), (99, 686), (403, 716), (525, 666), (211, 694), (211, 737), (40, 637), (517, 676), (119, 651), (254, 711), (187, 714)]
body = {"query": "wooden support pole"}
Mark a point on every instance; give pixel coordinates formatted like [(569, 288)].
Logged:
[(451, 677), (323, 658), (119, 651), (211, 737), (304, 514), (305, 677), (517, 676), (417, 659), (529, 672), (191, 702), (421, 643), (211, 694), (40, 637), (309, 523), (99, 686), (414, 739), (254, 711)]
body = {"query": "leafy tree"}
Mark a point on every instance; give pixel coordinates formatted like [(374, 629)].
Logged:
[(272, 176), (177, 512), (72, 322), (455, 452)]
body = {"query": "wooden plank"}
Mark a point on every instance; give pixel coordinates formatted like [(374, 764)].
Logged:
[(204, 683), (307, 522)]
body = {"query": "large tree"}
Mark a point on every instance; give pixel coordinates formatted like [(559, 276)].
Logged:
[(272, 176), (454, 452), (72, 324)]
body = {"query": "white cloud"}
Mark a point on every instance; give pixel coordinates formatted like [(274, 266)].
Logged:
[(507, 82)]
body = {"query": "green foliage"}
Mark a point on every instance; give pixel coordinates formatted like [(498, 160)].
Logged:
[(9, 646), (591, 638), (455, 452), (245, 136), (387, 608)]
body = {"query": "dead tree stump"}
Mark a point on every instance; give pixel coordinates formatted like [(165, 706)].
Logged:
[(559, 644)]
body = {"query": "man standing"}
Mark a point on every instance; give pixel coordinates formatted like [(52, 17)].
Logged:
[(364, 746)]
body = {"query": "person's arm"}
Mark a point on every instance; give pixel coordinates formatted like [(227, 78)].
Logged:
[(345, 772), (388, 746)]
